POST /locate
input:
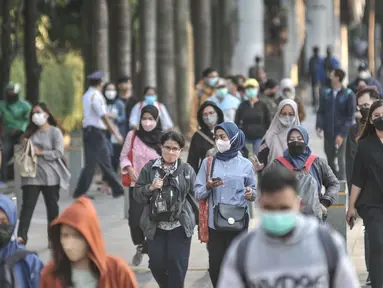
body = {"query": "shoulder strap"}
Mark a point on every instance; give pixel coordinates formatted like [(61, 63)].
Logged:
[(17, 257), (141, 105), (309, 162), (241, 258), (130, 153), (204, 136), (159, 108), (331, 252), (208, 167), (285, 163)]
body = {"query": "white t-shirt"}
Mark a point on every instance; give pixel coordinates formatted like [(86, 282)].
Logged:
[(93, 108), (83, 279)]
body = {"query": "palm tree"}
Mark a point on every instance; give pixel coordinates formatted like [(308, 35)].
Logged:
[(6, 46), (119, 13), (181, 20), (165, 56), (148, 42), (203, 35), (32, 67)]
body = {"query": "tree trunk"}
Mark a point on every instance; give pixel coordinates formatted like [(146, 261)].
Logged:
[(32, 67), (99, 56), (148, 43), (181, 19), (86, 45), (165, 56), (229, 32), (203, 36), (217, 37), (6, 45), (119, 38)]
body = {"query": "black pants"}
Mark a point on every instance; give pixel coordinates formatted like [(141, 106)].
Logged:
[(169, 253), (332, 152), (9, 141), (114, 158), (373, 219), (96, 151), (30, 196), (135, 212), (219, 242), (315, 93)]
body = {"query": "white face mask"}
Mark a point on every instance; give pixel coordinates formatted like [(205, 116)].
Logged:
[(364, 75), (39, 118), (287, 121), (289, 95), (111, 94), (223, 145)]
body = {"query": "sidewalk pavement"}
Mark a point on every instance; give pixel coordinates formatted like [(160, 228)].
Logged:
[(118, 242)]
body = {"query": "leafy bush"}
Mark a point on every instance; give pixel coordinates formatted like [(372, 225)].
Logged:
[(61, 87)]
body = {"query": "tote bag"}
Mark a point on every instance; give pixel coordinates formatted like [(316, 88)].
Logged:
[(26, 159)]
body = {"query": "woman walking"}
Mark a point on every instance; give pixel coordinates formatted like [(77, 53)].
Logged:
[(227, 181), (140, 147), (51, 171), (367, 189), (166, 188), (274, 143)]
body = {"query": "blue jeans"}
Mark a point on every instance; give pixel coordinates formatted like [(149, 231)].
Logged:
[(253, 146)]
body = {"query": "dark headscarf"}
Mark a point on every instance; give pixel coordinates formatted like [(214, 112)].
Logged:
[(152, 138), (236, 137), (299, 161), (202, 124)]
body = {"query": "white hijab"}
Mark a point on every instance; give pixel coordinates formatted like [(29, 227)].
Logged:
[(287, 83), (276, 136)]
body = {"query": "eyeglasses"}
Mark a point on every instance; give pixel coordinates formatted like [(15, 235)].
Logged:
[(171, 149)]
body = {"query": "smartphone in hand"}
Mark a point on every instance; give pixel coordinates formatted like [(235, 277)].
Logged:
[(254, 159), (216, 179)]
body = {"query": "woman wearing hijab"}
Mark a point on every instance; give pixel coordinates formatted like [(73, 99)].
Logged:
[(274, 142), (227, 181), (115, 108), (28, 265), (287, 91), (209, 115), (79, 256), (299, 156), (140, 147)]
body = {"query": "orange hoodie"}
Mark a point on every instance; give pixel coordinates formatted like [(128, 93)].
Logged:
[(114, 272)]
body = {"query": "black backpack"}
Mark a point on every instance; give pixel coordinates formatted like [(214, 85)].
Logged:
[(166, 203), (7, 275), (324, 234)]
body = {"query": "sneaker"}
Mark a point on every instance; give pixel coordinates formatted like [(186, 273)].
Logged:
[(368, 280), (137, 258)]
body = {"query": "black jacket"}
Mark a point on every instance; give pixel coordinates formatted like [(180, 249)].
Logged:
[(199, 145)]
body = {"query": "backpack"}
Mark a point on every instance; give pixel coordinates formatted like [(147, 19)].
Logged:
[(166, 204), (7, 276), (324, 235), (307, 186)]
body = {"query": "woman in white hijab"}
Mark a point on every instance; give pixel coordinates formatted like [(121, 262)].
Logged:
[(287, 91), (274, 142)]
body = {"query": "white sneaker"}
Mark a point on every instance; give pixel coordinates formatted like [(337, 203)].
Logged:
[(137, 258)]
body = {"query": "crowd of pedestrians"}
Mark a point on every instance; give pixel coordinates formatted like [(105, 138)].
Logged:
[(249, 144)]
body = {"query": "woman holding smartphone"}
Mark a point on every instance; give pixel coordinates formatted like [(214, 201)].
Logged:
[(367, 189), (227, 181)]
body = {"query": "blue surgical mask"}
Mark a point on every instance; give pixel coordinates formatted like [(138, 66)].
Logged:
[(221, 93), (150, 99), (278, 223), (252, 92), (213, 81)]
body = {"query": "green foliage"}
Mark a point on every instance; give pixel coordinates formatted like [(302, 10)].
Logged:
[(61, 87)]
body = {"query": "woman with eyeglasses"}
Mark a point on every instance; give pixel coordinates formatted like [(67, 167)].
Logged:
[(367, 189), (227, 182), (165, 187), (140, 146)]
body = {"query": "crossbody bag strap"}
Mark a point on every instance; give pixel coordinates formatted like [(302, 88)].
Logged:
[(204, 136)]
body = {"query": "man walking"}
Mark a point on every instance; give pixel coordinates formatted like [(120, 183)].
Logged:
[(335, 117), (95, 123), (314, 71), (288, 249)]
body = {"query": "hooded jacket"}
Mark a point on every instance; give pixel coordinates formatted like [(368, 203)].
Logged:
[(27, 271), (114, 272), (199, 146)]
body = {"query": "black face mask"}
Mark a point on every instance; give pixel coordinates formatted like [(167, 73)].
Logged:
[(296, 148), (6, 231), (12, 98), (378, 123), (364, 111)]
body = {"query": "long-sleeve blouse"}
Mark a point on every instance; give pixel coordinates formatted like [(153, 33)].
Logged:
[(142, 154)]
